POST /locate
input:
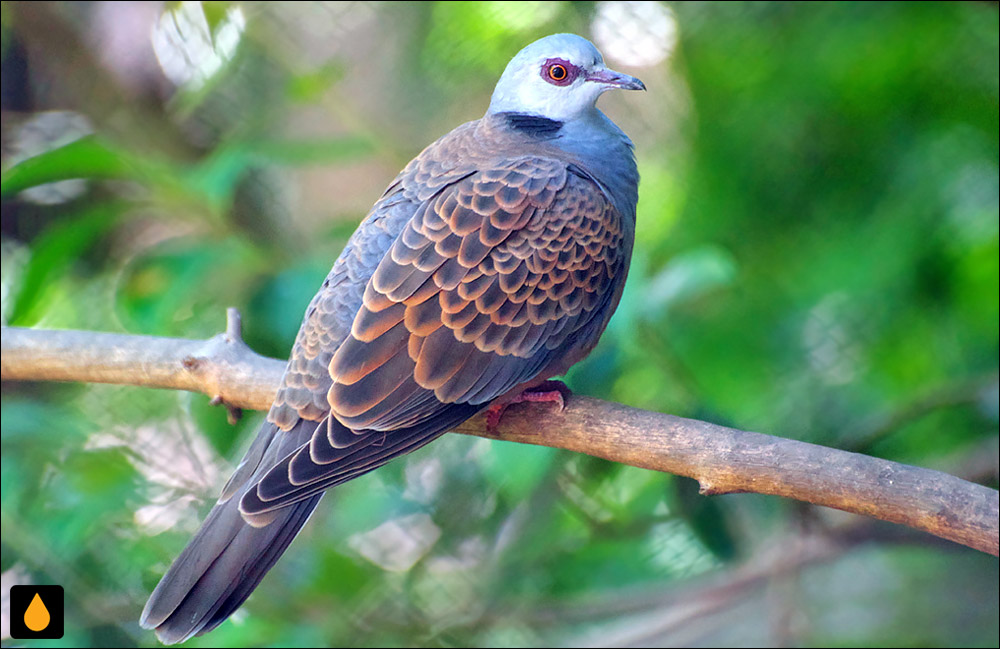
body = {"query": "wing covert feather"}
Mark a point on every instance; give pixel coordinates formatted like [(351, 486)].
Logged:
[(530, 254), (503, 277)]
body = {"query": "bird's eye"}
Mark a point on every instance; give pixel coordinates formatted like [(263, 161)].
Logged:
[(559, 72)]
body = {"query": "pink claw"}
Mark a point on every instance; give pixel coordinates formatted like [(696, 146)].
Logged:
[(549, 391)]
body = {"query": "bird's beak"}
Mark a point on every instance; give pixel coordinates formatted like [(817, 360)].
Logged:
[(613, 79)]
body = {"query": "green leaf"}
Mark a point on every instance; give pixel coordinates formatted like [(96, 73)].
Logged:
[(217, 176), (54, 253), (165, 292), (314, 151), (516, 469), (89, 157), (103, 474), (690, 275)]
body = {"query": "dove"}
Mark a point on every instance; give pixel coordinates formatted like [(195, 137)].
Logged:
[(492, 263)]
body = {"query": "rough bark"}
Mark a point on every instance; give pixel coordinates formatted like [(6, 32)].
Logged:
[(723, 460)]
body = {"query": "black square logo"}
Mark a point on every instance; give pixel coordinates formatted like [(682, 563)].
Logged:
[(36, 612)]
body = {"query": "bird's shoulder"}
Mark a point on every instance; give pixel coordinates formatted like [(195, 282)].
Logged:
[(487, 146)]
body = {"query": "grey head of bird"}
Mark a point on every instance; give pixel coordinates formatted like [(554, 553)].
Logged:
[(558, 77)]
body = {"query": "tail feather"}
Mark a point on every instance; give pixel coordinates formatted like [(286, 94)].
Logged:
[(220, 567), (234, 549)]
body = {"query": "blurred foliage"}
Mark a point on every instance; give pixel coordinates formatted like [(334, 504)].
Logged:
[(817, 257)]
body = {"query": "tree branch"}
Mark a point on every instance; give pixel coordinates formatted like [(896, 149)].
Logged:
[(723, 460)]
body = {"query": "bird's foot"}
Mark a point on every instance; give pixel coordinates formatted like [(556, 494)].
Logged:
[(548, 391)]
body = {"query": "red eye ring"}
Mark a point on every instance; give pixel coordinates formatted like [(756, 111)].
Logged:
[(559, 72)]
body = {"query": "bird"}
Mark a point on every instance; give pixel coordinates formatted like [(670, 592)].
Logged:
[(491, 263)]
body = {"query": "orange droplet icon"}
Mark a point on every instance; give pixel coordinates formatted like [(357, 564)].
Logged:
[(37, 616)]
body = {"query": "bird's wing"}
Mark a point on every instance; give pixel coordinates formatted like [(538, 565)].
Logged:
[(504, 277), (227, 558)]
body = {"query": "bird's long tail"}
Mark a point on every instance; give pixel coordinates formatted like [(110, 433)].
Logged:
[(225, 560)]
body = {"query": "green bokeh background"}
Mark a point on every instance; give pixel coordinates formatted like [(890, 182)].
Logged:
[(816, 258)]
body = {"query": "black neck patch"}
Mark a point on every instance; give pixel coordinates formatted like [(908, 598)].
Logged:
[(532, 125)]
